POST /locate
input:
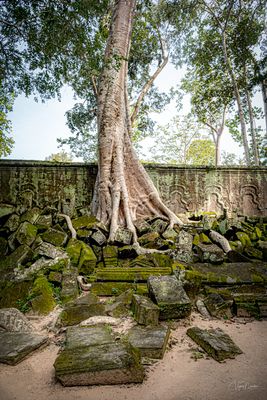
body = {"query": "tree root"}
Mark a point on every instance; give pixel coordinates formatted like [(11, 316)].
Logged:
[(70, 226), (221, 240), (142, 251), (83, 283)]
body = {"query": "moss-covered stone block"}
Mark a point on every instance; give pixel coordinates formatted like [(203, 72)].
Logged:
[(110, 256), (244, 239), (98, 238), (84, 336), (123, 236), (170, 297), (81, 309), (218, 306), (14, 294), (69, 285), (111, 363), (44, 222), (150, 340), (26, 233), (12, 223), (6, 209), (149, 237), (55, 237), (215, 342), (87, 260), (55, 277), (73, 249), (144, 310), (43, 301), (252, 252), (116, 288), (210, 252), (3, 247), (20, 256), (85, 221), (142, 226), (31, 215), (133, 274)]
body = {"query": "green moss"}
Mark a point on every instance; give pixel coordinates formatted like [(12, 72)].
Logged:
[(133, 274), (257, 278), (14, 293), (73, 249), (244, 239), (43, 301)]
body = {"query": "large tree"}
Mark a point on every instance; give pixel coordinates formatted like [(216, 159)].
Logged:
[(49, 43), (123, 189)]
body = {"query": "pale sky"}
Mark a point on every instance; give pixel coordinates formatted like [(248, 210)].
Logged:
[(36, 126)]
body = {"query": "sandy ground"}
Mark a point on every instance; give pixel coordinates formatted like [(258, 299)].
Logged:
[(177, 377)]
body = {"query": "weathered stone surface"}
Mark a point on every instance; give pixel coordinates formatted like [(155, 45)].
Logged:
[(85, 221), (252, 252), (235, 256), (74, 249), (83, 336), (110, 256), (218, 306), (263, 247), (20, 256), (159, 225), (55, 277), (44, 222), (12, 223), (133, 274), (6, 209), (145, 312), (215, 342), (98, 237), (116, 288), (26, 233), (184, 241), (81, 309), (43, 301), (13, 293), (170, 297), (142, 226), (3, 247), (55, 237), (49, 251), (87, 260), (30, 215), (244, 238), (101, 320), (170, 234), (15, 346), (69, 285), (57, 264), (117, 310), (12, 320), (127, 252), (210, 252), (107, 364), (123, 236), (150, 340), (147, 238)]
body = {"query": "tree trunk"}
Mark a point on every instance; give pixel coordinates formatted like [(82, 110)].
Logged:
[(253, 128), (264, 97), (123, 190), (238, 99), (218, 149)]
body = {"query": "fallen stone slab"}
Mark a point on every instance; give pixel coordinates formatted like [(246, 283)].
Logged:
[(218, 306), (215, 342), (170, 297), (145, 312), (101, 320), (150, 340), (210, 252), (49, 251), (83, 336), (15, 346), (81, 309), (106, 364), (12, 320)]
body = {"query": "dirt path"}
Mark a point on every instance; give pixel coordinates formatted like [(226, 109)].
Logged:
[(177, 377)]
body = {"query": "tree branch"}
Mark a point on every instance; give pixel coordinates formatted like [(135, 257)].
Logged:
[(94, 86), (147, 86)]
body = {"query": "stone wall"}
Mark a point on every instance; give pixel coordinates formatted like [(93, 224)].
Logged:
[(241, 191)]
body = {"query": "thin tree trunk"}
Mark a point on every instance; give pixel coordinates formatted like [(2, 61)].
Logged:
[(218, 150), (238, 100), (264, 98), (251, 120), (123, 190)]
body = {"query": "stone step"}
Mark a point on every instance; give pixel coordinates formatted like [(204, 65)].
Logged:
[(134, 274), (116, 288), (150, 340)]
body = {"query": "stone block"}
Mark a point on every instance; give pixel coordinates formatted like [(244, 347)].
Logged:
[(170, 297), (55, 237), (87, 260), (49, 251), (83, 336), (69, 285), (210, 253), (15, 346), (31, 215), (116, 288), (184, 241), (74, 249), (218, 306), (12, 223), (150, 340), (26, 233), (142, 226), (12, 320), (85, 221), (123, 236), (215, 342), (133, 274), (145, 312), (147, 238), (20, 256), (44, 222), (43, 301), (98, 238), (106, 364), (110, 256), (6, 209)]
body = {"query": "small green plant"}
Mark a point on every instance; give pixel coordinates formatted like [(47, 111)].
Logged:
[(114, 291), (24, 305)]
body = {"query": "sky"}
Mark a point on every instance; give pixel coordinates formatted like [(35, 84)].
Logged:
[(36, 126)]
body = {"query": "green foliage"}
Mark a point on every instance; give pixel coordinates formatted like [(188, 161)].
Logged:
[(201, 152), (62, 156), (24, 305), (6, 141)]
